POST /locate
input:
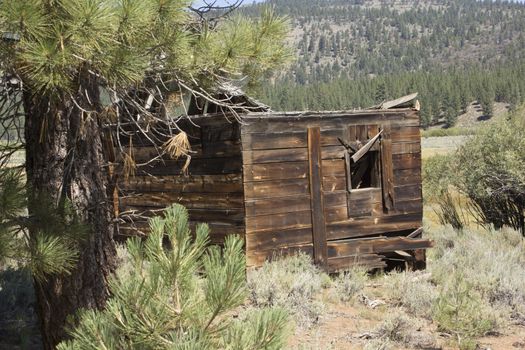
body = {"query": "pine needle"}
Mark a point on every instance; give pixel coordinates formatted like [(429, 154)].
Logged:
[(178, 146), (129, 165)]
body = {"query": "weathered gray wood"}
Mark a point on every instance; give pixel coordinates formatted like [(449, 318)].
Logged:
[(362, 151), (275, 171), (317, 206), (362, 227), (387, 170), (275, 188)]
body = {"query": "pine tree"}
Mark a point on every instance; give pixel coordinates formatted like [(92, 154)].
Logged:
[(178, 293), (67, 53)]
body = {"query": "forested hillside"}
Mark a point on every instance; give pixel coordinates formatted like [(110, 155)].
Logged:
[(351, 54)]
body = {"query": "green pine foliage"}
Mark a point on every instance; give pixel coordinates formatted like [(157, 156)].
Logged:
[(123, 43), (179, 293), (54, 249)]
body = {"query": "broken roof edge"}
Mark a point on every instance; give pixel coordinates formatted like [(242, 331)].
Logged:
[(403, 104), (408, 101)]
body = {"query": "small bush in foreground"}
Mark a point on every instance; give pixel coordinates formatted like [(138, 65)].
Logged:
[(291, 283), (350, 282), (179, 297), (413, 291)]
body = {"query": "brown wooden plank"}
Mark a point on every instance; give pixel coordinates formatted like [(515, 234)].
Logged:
[(184, 184), (277, 205), (281, 221), (364, 202), (316, 196), (410, 206), (369, 261), (361, 132), (222, 149), (406, 147), (387, 170), (333, 167), (404, 177), (351, 133), (352, 247), (406, 134), (409, 192), (191, 200), (275, 171), (275, 188), (279, 239), (362, 227), (211, 166), (277, 140), (276, 123), (407, 161), (275, 155), (334, 199), (373, 130), (334, 183)]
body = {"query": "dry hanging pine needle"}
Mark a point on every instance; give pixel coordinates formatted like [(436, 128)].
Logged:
[(178, 146)]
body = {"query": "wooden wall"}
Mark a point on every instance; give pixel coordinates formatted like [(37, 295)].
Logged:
[(277, 189), (211, 191)]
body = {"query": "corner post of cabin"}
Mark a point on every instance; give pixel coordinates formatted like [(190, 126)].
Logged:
[(316, 197)]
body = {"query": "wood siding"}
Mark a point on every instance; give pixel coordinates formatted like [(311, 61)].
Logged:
[(278, 187), (211, 190)]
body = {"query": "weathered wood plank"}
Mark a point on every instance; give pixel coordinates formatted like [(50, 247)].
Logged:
[(362, 227), (299, 123), (353, 247), (211, 166), (184, 184), (275, 188), (406, 134), (409, 192), (334, 183), (190, 200), (334, 199), (277, 205), (281, 221), (387, 170), (406, 147), (263, 141), (316, 196), (275, 171), (407, 161), (369, 261), (222, 149), (333, 167), (364, 202), (279, 238)]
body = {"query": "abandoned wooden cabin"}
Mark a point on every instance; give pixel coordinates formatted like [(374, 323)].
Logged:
[(343, 187)]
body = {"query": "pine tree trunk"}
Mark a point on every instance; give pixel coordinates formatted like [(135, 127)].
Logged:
[(64, 160)]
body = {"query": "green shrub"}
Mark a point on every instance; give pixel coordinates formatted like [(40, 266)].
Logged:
[(292, 283), (491, 262), (413, 291), (350, 282), (460, 310), (181, 297), (490, 173)]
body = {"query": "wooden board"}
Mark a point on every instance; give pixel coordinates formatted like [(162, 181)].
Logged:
[(362, 227), (275, 188), (316, 196), (275, 171), (184, 184), (387, 170)]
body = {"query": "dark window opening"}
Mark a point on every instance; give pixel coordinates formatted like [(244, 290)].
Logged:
[(365, 172)]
